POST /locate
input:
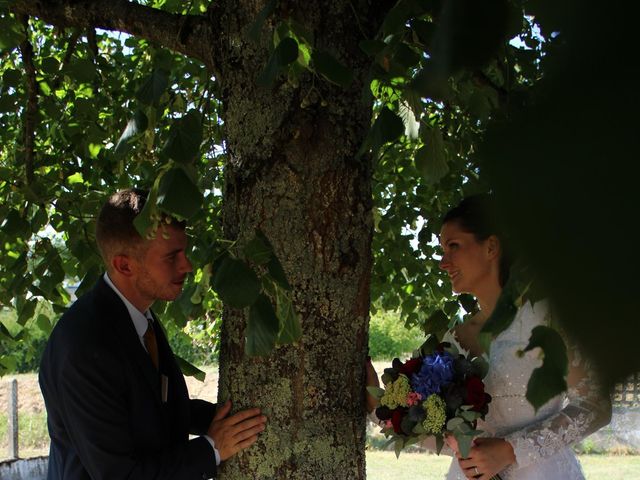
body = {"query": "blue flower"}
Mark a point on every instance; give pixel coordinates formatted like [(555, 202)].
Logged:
[(436, 371)]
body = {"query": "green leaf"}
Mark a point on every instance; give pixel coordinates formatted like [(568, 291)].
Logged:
[(89, 280), (269, 73), (8, 364), (431, 159), (548, 380), (135, 127), (7, 103), (277, 272), (430, 83), (480, 366), (178, 196), (10, 326), (11, 33), (398, 446), (286, 52), (81, 69), (372, 47), (75, 178), (451, 307), (468, 302), (11, 78), (15, 225), (429, 345), (185, 138), (144, 221), (424, 30), (398, 16), (50, 65), (153, 87), (190, 370), (387, 128), (258, 251), (290, 329), (375, 392), (236, 283), (262, 328), (464, 443), (501, 317), (405, 56), (27, 311), (301, 32), (254, 30), (454, 423), (44, 324), (437, 324), (327, 66)]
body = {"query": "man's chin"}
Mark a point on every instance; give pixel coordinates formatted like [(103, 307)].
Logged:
[(175, 292)]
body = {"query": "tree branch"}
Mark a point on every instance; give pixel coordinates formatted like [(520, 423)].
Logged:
[(71, 46), (191, 35), (31, 112)]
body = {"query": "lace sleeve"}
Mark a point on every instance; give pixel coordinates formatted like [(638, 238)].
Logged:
[(587, 409)]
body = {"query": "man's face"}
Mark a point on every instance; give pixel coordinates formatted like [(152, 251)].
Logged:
[(163, 267)]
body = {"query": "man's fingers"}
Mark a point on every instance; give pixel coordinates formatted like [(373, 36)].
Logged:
[(223, 411), (243, 415), (248, 424), (248, 433), (246, 443)]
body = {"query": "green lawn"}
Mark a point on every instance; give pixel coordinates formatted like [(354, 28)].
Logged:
[(414, 466)]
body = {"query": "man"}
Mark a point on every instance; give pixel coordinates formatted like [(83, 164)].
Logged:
[(116, 401)]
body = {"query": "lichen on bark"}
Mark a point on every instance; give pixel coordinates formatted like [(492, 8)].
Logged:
[(293, 171)]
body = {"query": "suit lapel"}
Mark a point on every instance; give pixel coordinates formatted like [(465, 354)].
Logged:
[(115, 312)]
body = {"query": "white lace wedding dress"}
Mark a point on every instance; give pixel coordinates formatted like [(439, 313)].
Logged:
[(541, 440)]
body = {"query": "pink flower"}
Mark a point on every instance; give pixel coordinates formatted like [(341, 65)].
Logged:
[(413, 398), (388, 424)]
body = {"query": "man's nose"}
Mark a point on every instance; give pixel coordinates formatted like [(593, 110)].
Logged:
[(185, 265)]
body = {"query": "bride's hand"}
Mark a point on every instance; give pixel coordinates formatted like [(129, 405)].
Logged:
[(451, 442), (372, 381), (487, 457)]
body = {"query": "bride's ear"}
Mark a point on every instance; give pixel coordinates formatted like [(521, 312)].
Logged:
[(493, 247)]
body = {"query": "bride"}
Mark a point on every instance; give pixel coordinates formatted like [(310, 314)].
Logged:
[(518, 443)]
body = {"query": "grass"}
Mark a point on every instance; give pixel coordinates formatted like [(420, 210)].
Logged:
[(381, 465), (412, 466), (33, 435)]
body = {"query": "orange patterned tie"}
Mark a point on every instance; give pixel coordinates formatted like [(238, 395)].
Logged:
[(151, 343)]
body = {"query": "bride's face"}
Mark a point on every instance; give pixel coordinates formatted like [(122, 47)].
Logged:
[(469, 263)]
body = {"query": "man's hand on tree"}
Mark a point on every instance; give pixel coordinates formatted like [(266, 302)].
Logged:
[(237, 432)]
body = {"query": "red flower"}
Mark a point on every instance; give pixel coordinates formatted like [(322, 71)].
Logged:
[(411, 366), (475, 394), (396, 420)]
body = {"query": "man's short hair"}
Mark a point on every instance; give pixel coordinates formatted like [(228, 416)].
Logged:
[(115, 232)]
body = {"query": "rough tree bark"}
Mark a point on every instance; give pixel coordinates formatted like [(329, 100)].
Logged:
[(293, 172)]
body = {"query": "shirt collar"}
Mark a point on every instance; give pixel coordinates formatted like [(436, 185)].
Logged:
[(139, 319)]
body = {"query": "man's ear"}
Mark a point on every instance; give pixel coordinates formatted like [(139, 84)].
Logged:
[(493, 247), (123, 264)]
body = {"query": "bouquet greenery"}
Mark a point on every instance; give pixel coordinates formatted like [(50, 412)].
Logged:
[(437, 392)]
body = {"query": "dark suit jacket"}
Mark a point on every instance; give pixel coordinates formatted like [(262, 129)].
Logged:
[(105, 412)]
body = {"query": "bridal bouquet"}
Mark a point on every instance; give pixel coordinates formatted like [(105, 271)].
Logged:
[(437, 392)]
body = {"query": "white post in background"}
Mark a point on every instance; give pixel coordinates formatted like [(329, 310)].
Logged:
[(13, 419)]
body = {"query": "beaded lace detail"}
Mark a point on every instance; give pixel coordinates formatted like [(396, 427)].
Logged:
[(540, 440)]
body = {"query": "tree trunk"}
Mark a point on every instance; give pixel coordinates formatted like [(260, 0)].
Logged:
[(293, 172)]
